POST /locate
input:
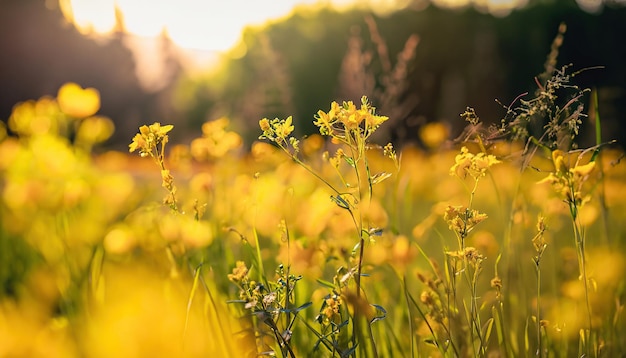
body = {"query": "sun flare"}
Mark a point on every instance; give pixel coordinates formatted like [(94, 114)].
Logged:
[(190, 24)]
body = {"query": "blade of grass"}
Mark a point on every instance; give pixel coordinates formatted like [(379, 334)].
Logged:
[(410, 315), (192, 293)]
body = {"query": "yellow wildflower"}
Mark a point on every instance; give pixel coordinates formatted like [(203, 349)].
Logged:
[(330, 309), (240, 272), (285, 128), (558, 160), (138, 142), (582, 171), (461, 220), (167, 178), (466, 163), (264, 124), (471, 254), (568, 183), (149, 137), (374, 121), (323, 121)]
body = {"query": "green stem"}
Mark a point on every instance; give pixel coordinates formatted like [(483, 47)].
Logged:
[(580, 246), (538, 268)]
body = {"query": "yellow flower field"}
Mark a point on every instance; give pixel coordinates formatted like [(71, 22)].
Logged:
[(325, 246)]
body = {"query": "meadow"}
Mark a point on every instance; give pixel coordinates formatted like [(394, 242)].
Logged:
[(506, 242)]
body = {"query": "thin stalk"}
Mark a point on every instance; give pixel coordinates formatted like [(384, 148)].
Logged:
[(476, 313), (255, 234), (580, 245), (597, 155), (160, 159), (539, 349), (410, 316)]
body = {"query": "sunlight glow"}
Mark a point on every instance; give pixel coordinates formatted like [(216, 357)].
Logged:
[(202, 29), (190, 24), (217, 26), (90, 16)]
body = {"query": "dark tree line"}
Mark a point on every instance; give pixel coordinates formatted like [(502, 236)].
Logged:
[(39, 51), (417, 65), (462, 58)]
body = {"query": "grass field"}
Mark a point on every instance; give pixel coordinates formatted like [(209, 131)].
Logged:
[(508, 242)]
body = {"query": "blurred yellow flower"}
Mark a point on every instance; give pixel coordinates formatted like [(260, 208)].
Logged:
[(78, 102), (93, 130), (35, 117), (186, 230), (240, 272), (28, 331), (216, 141), (433, 134), (119, 240)]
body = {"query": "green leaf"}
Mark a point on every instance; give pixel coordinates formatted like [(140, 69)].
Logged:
[(379, 177), (350, 161), (487, 329), (304, 306), (382, 310), (499, 327), (325, 283), (194, 287), (341, 202), (350, 351)]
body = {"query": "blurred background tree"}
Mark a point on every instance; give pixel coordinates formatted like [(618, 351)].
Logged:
[(421, 63)]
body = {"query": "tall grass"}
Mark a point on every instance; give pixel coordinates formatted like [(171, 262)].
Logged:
[(508, 243)]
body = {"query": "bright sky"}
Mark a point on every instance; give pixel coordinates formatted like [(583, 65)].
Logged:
[(194, 24), (199, 27), (202, 26)]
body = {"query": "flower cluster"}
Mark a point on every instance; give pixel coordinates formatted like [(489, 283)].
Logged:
[(330, 311), (345, 123), (279, 131), (568, 181), (474, 165), (149, 139), (431, 295), (462, 220), (240, 273), (249, 290), (470, 254)]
